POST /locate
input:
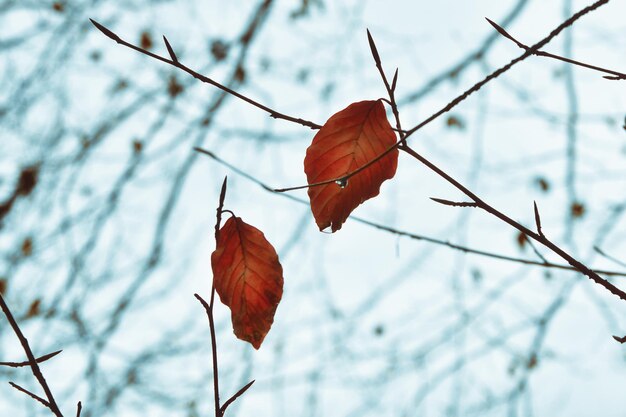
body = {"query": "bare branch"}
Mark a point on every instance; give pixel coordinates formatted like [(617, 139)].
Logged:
[(454, 203), (537, 219), (216, 387), (27, 363), (462, 97), (373, 48), (403, 233), (170, 50), (30, 394), (236, 395), (614, 75), (609, 257), (529, 233), (175, 63), (51, 403)]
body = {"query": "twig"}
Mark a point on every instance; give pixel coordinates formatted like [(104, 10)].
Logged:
[(51, 403), (170, 50), (529, 233), (27, 363), (30, 394), (391, 89), (208, 307), (216, 387), (457, 68), (454, 203), (620, 339), (537, 219), (235, 396), (398, 232), (614, 75), (175, 63), (534, 248), (401, 144), (609, 257)]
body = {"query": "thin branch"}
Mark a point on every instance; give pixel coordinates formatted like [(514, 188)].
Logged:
[(459, 67), (534, 248), (79, 409), (403, 233), (216, 389), (455, 102), (477, 202), (51, 403), (170, 50), (620, 339), (529, 233), (609, 257), (236, 395), (537, 219), (208, 307), (539, 237), (344, 179), (613, 75), (30, 394), (27, 363), (454, 203), (391, 89), (175, 63)]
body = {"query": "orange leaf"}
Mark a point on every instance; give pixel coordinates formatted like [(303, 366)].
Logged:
[(350, 139), (248, 278)]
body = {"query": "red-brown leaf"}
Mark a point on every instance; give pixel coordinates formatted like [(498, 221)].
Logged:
[(248, 278), (350, 139)]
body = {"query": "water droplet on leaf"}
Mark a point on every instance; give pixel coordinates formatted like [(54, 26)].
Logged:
[(342, 183)]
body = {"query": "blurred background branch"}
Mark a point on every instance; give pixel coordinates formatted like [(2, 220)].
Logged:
[(106, 212)]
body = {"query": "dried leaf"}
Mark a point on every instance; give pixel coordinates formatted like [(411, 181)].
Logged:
[(248, 278), (146, 40), (522, 240), (137, 146), (174, 88), (240, 74), (34, 309), (543, 184), (578, 210), (349, 140), (27, 181), (455, 122), (27, 247), (219, 50)]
